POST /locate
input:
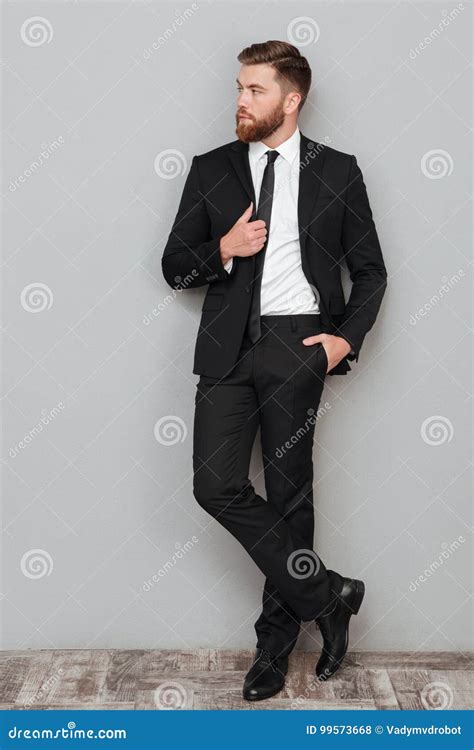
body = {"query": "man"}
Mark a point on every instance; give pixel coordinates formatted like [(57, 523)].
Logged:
[(274, 323)]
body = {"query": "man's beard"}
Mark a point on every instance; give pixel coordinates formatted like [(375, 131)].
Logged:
[(252, 130)]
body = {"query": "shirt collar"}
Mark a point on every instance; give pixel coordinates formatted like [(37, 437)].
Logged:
[(288, 149)]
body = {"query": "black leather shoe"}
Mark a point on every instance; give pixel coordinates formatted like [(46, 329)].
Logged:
[(334, 628), (265, 677)]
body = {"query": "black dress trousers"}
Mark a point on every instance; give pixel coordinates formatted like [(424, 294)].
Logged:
[(277, 382)]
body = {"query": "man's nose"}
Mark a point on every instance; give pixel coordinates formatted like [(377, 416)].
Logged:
[(242, 101)]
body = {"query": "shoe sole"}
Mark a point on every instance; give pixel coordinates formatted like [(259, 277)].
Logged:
[(263, 697)]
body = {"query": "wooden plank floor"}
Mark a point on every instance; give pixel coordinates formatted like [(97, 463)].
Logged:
[(212, 679)]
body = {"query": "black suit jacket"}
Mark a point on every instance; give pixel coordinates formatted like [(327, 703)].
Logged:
[(335, 225)]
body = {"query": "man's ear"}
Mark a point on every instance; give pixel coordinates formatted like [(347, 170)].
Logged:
[(293, 100)]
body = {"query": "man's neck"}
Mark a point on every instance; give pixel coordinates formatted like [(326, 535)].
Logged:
[(280, 135)]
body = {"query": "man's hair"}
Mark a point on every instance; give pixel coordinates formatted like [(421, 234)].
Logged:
[(292, 69)]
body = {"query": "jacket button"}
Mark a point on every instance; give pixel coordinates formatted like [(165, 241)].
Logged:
[(247, 289)]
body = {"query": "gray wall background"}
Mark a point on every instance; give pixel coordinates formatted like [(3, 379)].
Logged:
[(98, 393)]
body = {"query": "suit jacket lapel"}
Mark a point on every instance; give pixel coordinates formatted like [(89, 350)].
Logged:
[(239, 156), (312, 158)]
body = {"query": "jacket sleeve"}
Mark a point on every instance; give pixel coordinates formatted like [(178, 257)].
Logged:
[(363, 256), (190, 257)]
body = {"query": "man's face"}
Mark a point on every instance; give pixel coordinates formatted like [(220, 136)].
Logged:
[(260, 103)]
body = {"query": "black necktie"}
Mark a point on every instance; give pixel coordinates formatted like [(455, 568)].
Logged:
[(264, 212)]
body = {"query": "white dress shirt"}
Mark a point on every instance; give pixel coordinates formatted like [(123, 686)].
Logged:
[(285, 289)]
